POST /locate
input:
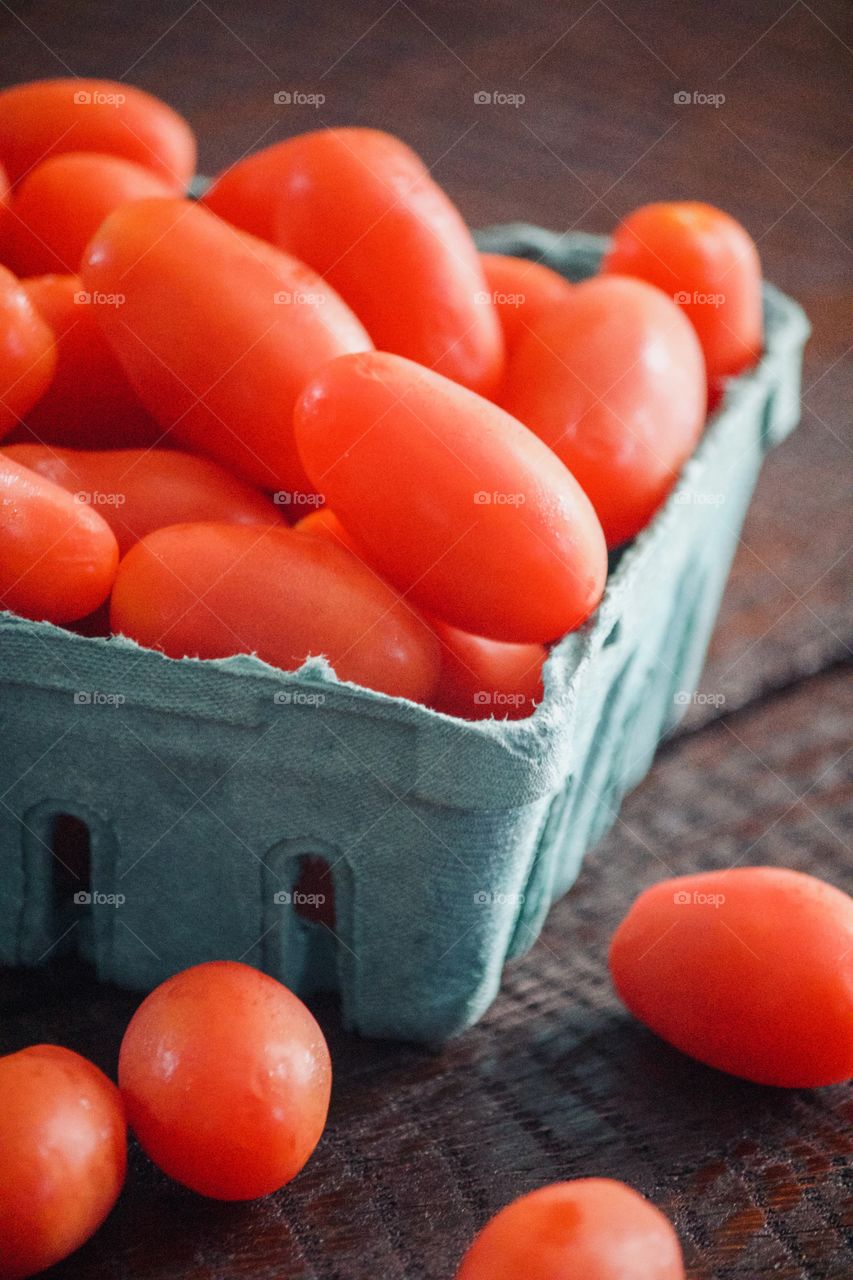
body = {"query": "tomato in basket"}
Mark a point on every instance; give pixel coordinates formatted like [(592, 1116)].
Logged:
[(63, 1152), (362, 209), (140, 490), (218, 332), (45, 117), (89, 403), (708, 263), (455, 502), (27, 353), (614, 381), (520, 288), (59, 205), (212, 590), (58, 557)]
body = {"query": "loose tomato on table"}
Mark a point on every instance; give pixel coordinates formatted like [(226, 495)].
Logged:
[(27, 353), (89, 403), (588, 1229), (140, 490), (708, 263), (217, 332), (226, 1077), (58, 557), (57, 208), (362, 209), (454, 501), (213, 590), (46, 117), (63, 1152), (614, 381), (749, 970)]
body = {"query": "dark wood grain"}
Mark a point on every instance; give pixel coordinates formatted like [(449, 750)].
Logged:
[(556, 1081)]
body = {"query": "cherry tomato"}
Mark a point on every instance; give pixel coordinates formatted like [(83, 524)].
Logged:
[(217, 332), (361, 208), (480, 678), (226, 1078), (613, 380), (588, 1229), (63, 1151), (520, 289), (27, 353), (140, 490), (45, 117), (211, 590), (709, 264), (58, 557), (327, 524), (455, 502), (5, 200), (59, 205), (89, 404), (749, 970)]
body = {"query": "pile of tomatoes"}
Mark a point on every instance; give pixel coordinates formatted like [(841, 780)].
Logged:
[(225, 1078), (304, 415)]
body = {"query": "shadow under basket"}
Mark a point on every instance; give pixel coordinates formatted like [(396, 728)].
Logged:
[(157, 813)]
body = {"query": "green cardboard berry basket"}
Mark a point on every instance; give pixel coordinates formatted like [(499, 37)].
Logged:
[(225, 799)]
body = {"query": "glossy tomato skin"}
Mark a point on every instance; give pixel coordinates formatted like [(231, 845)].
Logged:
[(58, 557), (480, 678), (59, 205), (47, 117), (140, 490), (749, 970), (614, 381), (217, 332), (708, 263), (89, 403), (63, 1152), (226, 1077), (362, 209), (27, 353), (212, 590), (454, 502), (588, 1229), (520, 289)]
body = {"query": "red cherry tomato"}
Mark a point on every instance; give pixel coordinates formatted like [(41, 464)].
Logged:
[(45, 117), (520, 289), (613, 380), (217, 332), (140, 490), (59, 205), (480, 678), (327, 524), (89, 404), (63, 1151), (709, 264), (58, 557), (226, 1078), (211, 590), (588, 1229), (361, 208), (453, 500), (748, 970), (27, 353)]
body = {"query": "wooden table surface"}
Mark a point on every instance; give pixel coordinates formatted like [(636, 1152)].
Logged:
[(557, 1081)]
